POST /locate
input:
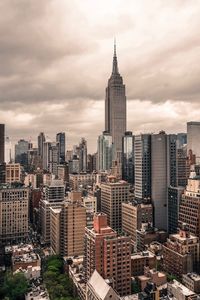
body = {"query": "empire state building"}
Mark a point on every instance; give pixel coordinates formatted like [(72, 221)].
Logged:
[(115, 107)]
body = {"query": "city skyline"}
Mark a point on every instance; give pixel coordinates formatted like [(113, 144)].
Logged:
[(62, 66)]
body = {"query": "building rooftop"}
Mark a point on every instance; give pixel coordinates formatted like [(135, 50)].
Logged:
[(193, 276), (99, 285), (142, 254), (183, 289)]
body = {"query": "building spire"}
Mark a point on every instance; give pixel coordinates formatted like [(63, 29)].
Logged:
[(115, 65)]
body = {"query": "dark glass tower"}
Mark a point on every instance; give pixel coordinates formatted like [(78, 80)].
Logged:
[(128, 157), (2, 143), (115, 107), (60, 139)]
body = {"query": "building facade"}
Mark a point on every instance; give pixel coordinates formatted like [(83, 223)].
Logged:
[(128, 157)]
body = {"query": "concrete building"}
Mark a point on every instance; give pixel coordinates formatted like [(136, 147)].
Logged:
[(13, 173), (82, 180), (104, 152), (90, 203), (142, 152), (147, 235), (192, 282), (134, 215), (54, 191), (193, 139), (109, 254), (153, 276), (141, 260), (53, 158), (67, 226), (179, 291), (115, 108), (2, 143), (113, 194), (14, 208), (181, 253), (31, 180), (128, 157), (189, 210), (98, 289), (174, 199)]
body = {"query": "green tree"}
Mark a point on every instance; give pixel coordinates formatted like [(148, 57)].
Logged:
[(14, 287)]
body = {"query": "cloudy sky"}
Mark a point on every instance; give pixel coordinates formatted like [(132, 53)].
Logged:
[(56, 57)]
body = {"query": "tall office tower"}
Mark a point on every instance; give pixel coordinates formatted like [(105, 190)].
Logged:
[(63, 173), (54, 158), (53, 195), (134, 217), (115, 108), (159, 179), (193, 139), (174, 199), (171, 160), (46, 155), (182, 166), (21, 152), (2, 143), (142, 153), (181, 253), (54, 192), (109, 254), (41, 140), (189, 210), (74, 165), (113, 194), (128, 157), (60, 139), (8, 150), (14, 203), (67, 226), (82, 154), (105, 151)]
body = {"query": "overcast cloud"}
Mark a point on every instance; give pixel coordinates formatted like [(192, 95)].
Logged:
[(56, 57)]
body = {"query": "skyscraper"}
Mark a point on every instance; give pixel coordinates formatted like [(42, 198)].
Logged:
[(115, 107), (193, 139), (142, 152), (113, 194), (21, 152), (60, 139), (105, 151), (82, 154), (41, 140), (2, 143), (128, 157)]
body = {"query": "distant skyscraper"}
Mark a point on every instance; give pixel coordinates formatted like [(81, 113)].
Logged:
[(46, 155), (193, 139), (105, 151), (41, 140), (174, 198), (60, 139), (54, 158), (82, 154), (2, 143), (8, 150), (128, 157), (115, 107), (21, 152), (142, 152)]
